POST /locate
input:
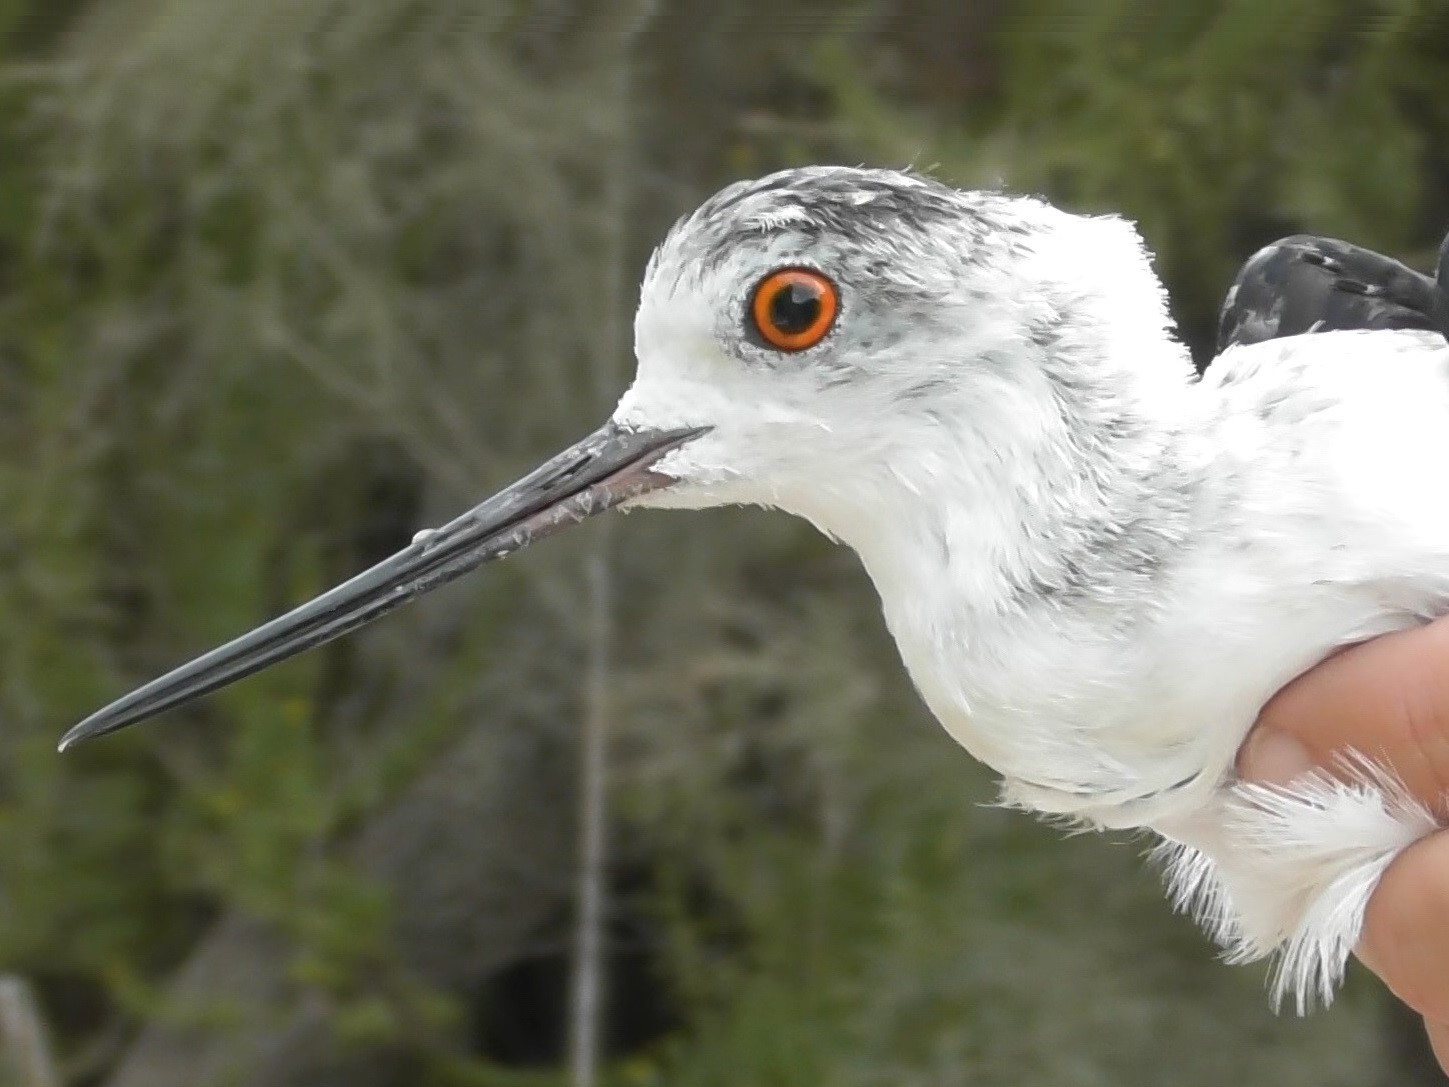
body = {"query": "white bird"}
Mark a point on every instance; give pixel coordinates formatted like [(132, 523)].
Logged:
[(1097, 569)]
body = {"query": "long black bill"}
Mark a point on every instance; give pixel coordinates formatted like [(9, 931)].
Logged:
[(608, 467)]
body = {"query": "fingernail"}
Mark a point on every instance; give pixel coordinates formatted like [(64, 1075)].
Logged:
[(1273, 757)]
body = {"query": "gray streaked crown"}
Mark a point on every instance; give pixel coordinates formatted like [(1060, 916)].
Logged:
[(866, 219)]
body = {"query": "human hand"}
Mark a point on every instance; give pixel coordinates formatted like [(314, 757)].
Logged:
[(1389, 700)]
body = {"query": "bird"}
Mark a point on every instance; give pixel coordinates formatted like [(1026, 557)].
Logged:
[(1097, 567), (1304, 284)]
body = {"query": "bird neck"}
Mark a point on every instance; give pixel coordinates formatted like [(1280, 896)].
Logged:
[(1017, 556)]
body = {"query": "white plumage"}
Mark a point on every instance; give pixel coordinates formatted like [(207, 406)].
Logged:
[(1096, 568)]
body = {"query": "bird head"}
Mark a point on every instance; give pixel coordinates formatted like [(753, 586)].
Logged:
[(835, 342)]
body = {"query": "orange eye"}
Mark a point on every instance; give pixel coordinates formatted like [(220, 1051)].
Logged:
[(793, 308)]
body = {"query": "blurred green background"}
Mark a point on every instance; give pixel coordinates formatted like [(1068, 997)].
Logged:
[(282, 281)]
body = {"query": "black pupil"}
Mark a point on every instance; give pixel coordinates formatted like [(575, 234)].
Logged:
[(795, 308)]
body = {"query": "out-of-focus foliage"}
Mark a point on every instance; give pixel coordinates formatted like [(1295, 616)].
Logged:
[(281, 280)]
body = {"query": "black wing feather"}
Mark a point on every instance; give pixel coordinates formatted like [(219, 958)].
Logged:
[(1305, 284)]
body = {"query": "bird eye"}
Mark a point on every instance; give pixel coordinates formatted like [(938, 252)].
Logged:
[(793, 308)]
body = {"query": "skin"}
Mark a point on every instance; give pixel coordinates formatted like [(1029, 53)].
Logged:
[(1389, 699)]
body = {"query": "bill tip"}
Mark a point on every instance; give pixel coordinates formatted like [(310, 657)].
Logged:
[(70, 739)]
